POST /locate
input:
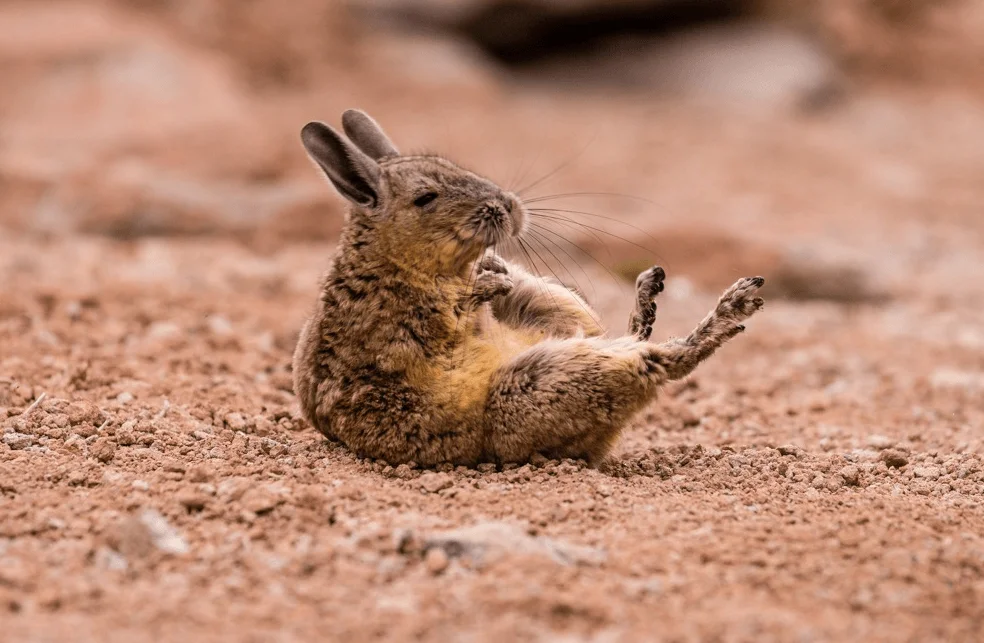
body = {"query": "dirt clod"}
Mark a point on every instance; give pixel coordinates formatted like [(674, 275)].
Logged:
[(894, 458), (436, 560)]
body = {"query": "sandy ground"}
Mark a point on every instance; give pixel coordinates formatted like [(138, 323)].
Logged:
[(820, 479)]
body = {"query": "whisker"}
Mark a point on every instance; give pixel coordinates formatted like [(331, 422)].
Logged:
[(566, 195), (539, 213), (544, 240), (619, 282), (583, 306), (559, 168), (599, 216), (534, 267)]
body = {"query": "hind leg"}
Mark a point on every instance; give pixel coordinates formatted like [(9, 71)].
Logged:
[(677, 358), (649, 284), (567, 398), (572, 397)]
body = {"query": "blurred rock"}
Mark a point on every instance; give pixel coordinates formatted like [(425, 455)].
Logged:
[(705, 255), (100, 88), (484, 542), (140, 535)]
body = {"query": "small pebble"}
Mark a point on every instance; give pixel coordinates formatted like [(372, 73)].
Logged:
[(103, 450), (18, 440), (929, 473), (851, 475), (433, 482), (894, 458), (436, 560), (880, 442)]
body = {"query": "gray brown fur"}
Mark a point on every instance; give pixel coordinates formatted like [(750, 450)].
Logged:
[(398, 360)]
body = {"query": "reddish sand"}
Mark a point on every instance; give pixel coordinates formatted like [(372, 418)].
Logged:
[(821, 478)]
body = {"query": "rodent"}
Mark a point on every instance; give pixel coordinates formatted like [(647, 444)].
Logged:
[(396, 363)]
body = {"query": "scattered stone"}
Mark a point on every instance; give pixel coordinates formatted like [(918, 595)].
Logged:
[(484, 542), (894, 458), (83, 411), (851, 475), (125, 397), (18, 440), (486, 467), (235, 421), (880, 442), (261, 500), (929, 473), (198, 473), (103, 450), (272, 447), (789, 449), (403, 472), (193, 500), (219, 325), (140, 535), (111, 560), (433, 482), (436, 560), (265, 427)]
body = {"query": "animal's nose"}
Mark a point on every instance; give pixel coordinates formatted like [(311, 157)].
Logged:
[(495, 209)]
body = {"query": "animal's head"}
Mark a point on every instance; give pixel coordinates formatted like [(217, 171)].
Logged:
[(425, 208)]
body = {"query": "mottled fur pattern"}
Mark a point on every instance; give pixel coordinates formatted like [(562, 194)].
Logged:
[(398, 360)]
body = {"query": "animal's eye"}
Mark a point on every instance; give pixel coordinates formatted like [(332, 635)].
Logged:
[(424, 199)]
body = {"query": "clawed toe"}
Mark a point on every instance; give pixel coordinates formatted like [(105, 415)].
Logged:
[(649, 283), (493, 263)]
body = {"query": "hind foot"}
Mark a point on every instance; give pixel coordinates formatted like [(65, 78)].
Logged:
[(649, 284)]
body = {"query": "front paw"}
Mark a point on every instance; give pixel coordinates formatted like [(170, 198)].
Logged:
[(489, 285), (741, 301), (493, 263)]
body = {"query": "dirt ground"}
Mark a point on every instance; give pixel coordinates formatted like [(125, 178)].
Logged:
[(820, 479)]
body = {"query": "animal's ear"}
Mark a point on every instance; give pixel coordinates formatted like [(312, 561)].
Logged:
[(367, 134), (352, 173)]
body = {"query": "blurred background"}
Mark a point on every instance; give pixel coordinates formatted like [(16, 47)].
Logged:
[(829, 144), (162, 234)]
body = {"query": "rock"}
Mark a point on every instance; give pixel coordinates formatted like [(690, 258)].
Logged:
[(272, 447), (436, 560), (789, 449), (894, 458), (851, 475), (103, 450), (235, 421), (193, 500), (403, 472), (219, 325), (141, 535), (484, 542), (880, 442), (261, 500), (18, 440), (929, 473), (111, 560), (433, 482), (84, 411), (199, 473)]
